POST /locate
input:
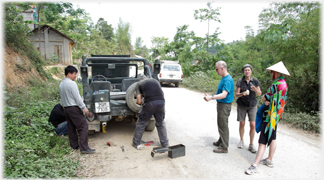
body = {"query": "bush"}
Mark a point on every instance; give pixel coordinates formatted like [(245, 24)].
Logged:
[(38, 91), (202, 82), (31, 148), (303, 121)]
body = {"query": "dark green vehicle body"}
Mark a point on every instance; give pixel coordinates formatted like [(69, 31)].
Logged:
[(110, 92)]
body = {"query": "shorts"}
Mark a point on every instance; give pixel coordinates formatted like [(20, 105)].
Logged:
[(241, 113), (263, 139)]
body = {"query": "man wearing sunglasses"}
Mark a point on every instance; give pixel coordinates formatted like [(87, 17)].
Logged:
[(224, 98)]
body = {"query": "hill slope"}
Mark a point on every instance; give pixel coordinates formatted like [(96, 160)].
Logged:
[(19, 70)]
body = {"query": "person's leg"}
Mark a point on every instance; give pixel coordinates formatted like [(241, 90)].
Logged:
[(252, 131), (241, 114), (73, 136), (224, 110), (143, 118), (263, 140), (252, 115), (61, 129), (81, 125), (273, 147), (241, 129), (160, 124), (259, 154)]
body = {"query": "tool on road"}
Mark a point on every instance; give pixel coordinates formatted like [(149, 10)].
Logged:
[(150, 143), (173, 151)]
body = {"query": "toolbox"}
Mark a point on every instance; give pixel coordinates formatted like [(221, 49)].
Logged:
[(173, 151)]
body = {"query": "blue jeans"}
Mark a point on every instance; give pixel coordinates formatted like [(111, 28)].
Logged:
[(61, 129), (155, 108)]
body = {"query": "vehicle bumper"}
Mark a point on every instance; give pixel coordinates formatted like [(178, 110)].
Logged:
[(170, 80)]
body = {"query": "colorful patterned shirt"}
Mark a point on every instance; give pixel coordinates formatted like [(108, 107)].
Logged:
[(277, 95)]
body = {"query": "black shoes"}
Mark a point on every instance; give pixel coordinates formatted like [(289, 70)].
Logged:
[(216, 143), (89, 151)]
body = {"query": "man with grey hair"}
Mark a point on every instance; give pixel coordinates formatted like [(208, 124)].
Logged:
[(224, 98), (153, 106)]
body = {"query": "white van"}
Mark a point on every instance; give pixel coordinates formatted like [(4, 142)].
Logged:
[(170, 72)]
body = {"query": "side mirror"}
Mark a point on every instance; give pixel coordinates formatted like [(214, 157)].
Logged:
[(79, 79)]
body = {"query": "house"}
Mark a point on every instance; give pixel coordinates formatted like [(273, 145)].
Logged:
[(53, 44)]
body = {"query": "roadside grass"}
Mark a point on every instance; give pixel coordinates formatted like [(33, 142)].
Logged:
[(31, 147), (202, 82)]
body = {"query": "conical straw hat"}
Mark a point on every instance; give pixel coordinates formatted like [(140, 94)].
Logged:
[(279, 67)]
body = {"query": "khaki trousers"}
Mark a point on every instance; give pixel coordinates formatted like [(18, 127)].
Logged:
[(223, 112)]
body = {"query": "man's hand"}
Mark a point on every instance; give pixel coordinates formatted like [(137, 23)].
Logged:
[(207, 97), (86, 111)]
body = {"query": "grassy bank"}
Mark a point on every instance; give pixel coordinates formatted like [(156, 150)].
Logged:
[(200, 81), (31, 147)]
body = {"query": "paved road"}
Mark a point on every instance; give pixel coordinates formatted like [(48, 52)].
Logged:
[(192, 122)]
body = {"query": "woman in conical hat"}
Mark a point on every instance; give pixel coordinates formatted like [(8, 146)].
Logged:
[(275, 100)]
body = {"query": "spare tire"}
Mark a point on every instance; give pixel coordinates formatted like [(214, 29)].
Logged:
[(131, 98)]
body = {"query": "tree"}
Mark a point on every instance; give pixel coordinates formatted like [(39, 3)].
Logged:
[(291, 33), (123, 36), (249, 32), (157, 45), (180, 41), (207, 14), (140, 49), (106, 30)]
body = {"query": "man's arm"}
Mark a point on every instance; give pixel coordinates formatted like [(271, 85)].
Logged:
[(218, 96), (139, 99), (78, 99)]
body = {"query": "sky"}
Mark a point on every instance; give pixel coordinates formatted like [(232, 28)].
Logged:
[(161, 18)]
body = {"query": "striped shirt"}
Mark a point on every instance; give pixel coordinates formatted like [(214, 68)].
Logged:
[(70, 95)]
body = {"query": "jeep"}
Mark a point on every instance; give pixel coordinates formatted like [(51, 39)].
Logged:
[(109, 92)]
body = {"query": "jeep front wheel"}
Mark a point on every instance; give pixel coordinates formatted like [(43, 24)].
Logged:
[(131, 98)]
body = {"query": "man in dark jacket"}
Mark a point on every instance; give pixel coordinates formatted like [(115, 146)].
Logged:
[(154, 105), (57, 118)]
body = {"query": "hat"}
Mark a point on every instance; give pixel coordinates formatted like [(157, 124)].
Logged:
[(245, 66), (279, 67)]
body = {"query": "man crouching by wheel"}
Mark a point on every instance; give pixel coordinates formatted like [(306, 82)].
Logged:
[(154, 105)]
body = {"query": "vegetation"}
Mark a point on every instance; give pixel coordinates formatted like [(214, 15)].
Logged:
[(31, 147), (289, 32)]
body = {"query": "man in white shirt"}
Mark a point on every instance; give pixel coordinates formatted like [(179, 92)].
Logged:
[(74, 110)]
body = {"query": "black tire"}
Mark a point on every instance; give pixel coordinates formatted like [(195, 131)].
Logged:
[(151, 125), (176, 84), (131, 99)]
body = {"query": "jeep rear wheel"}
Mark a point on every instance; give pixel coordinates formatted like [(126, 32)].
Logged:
[(176, 84), (131, 98)]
